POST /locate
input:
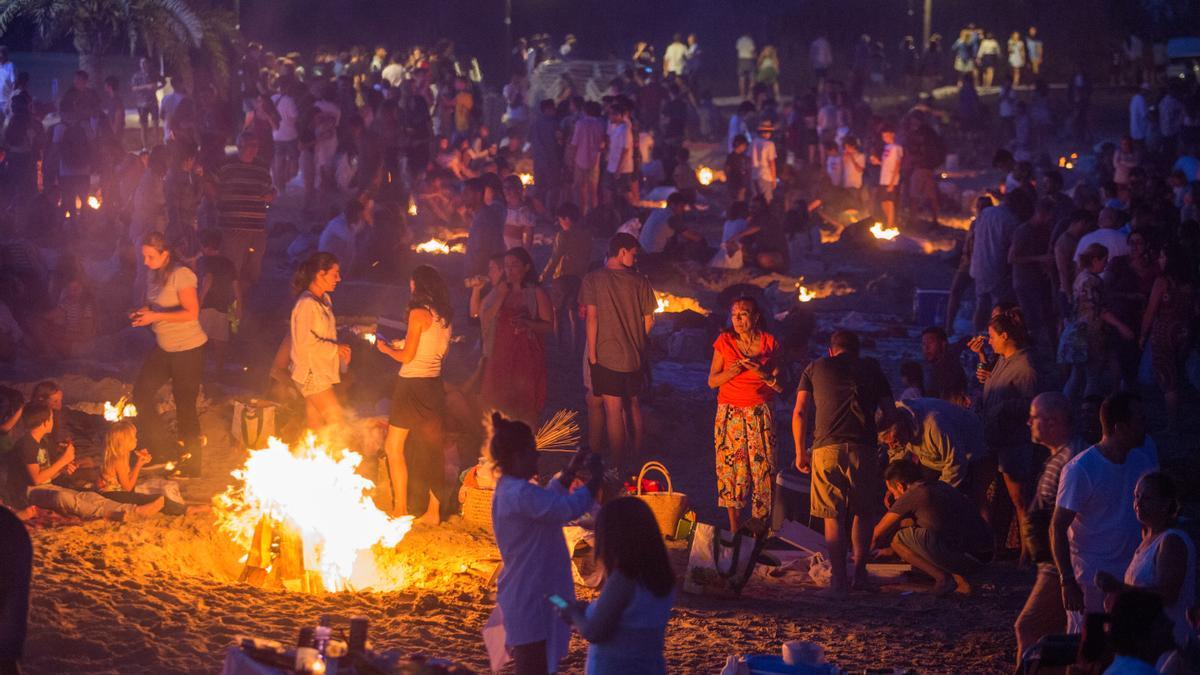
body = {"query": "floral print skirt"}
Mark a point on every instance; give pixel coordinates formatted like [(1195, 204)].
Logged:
[(746, 444)]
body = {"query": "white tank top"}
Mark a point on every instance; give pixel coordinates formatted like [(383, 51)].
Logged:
[(427, 362)]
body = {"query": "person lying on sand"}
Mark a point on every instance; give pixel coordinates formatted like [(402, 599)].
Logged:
[(947, 538)]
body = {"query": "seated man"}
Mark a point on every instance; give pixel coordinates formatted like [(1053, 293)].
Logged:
[(945, 438), (31, 472), (947, 538)]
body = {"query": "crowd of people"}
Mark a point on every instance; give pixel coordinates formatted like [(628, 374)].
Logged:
[(1024, 421)]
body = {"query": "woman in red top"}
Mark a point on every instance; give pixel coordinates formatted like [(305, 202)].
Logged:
[(743, 372)]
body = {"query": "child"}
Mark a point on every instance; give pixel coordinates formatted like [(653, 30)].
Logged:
[(913, 379), (833, 165), (737, 170), (219, 294), (854, 163), (118, 479), (568, 263)]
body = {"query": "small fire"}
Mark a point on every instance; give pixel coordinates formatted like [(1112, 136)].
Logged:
[(526, 179), (704, 175), (438, 246), (318, 493), (118, 412), (887, 234), (369, 337), (93, 202), (673, 303), (807, 292), (412, 208), (806, 295)]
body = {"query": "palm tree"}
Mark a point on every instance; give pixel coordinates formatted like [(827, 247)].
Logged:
[(173, 29)]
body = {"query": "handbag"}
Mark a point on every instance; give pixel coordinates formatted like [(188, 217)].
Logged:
[(253, 423), (721, 562)]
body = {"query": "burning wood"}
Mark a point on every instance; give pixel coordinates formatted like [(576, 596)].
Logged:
[(705, 176), (526, 179), (118, 412), (674, 303), (439, 247), (887, 234), (306, 509)]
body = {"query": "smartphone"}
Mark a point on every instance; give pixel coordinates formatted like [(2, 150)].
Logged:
[(558, 602)]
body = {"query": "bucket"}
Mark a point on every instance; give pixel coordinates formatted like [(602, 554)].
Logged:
[(929, 306)]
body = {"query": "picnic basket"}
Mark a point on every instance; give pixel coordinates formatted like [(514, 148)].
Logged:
[(667, 506)]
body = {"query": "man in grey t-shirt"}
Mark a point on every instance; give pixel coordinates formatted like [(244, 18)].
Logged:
[(620, 310)]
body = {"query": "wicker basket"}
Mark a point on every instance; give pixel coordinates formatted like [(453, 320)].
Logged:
[(668, 507), (477, 507)]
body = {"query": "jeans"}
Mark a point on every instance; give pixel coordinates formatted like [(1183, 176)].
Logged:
[(184, 371), (85, 504)]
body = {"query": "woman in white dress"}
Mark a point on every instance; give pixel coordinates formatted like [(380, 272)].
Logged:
[(316, 358), (1016, 57)]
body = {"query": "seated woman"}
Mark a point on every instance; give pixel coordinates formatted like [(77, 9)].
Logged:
[(118, 479), (625, 627)]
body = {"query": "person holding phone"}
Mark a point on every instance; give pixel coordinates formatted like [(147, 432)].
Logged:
[(626, 626), (527, 520)]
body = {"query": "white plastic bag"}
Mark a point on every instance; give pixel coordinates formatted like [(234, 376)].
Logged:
[(253, 423), (720, 562)]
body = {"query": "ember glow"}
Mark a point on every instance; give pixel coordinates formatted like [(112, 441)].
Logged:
[(704, 175), (412, 208), (439, 247), (805, 295), (93, 202), (526, 179), (118, 412), (887, 234), (673, 303), (318, 493)]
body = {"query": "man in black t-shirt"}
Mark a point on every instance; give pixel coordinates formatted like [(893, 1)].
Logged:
[(29, 462), (948, 537), (846, 391)]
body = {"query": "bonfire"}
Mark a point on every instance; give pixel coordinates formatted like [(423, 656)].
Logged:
[(311, 499), (673, 303), (118, 412), (526, 179), (439, 247)]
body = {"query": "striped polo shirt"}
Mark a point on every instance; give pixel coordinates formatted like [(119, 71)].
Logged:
[(242, 201)]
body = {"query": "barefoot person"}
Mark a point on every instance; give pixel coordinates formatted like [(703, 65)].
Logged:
[(948, 538), (316, 356), (528, 522), (172, 311), (419, 401), (846, 391)]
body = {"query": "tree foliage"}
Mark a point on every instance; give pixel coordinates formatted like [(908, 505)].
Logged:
[(184, 35)]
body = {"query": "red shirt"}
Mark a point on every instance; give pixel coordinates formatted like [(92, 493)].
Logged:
[(746, 388)]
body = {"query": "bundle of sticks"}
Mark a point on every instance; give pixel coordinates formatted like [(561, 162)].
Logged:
[(560, 433)]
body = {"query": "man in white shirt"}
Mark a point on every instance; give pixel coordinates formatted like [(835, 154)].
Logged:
[(889, 173), (1094, 528), (675, 57), (1108, 233), (286, 137), (620, 150), (1139, 118), (745, 64), (393, 73), (762, 161)]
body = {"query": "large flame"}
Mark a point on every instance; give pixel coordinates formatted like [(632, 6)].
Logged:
[(438, 246), (675, 303), (319, 494)]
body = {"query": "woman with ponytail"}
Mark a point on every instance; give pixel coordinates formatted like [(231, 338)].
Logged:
[(316, 357), (172, 311), (419, 401), (527, 520)]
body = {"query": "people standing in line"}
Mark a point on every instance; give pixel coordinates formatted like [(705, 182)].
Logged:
[(528, 520), (515, 377), (1050, 426), (172, 311), (1094, 528), (744, 372), (414, 444), (619, 304), (626, 626), (846, 391), (317, 358)]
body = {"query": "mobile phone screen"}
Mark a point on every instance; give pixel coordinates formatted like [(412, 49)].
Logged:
[(557, 601)]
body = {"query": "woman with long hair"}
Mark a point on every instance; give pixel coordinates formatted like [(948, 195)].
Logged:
[(626, 626), (1167, 324), (514, 379), (528, 520), (419, 401), (316, 358), (744, 369), (172, 311)]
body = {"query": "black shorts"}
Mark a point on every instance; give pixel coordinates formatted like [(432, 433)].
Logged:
[(886, 195), (146, 113), (607, 382), (564, 293), (418, 403)]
